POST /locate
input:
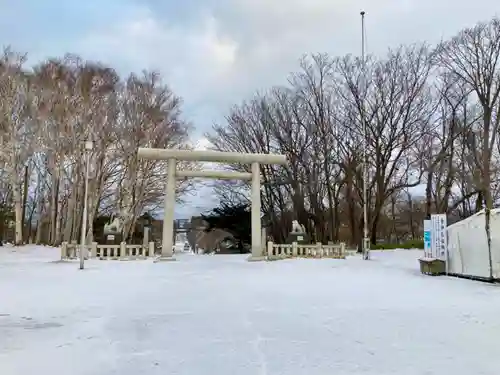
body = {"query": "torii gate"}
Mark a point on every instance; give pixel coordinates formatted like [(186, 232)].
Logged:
[(172, 155)]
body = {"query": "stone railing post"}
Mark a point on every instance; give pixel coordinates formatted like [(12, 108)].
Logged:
[(295, 249), (151, 249), (319, 249), (93, 250), (342, 250), (269, 248), (73, 247), (64, 250), (123, 249), (330, 249)]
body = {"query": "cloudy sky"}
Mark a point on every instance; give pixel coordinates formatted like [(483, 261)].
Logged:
[(214, 53)]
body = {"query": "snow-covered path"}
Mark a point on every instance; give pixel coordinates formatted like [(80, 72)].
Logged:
[(222, 315)]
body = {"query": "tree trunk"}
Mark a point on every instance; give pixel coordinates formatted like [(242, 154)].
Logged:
[(91, 210), (16, 194), (486, 183), (352, 213), (69, 224), (373, 234), (70, 213), (25, 195), (428, 194), (394, 231), (77, 213), (360, 233), (331, 214), (337, 217), (57, 238), (39, 225), (2, 224), (54, 207), (30, 225), (412, 226)]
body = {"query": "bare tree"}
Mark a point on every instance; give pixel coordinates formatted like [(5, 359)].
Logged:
[(59, 105), (150, 118), (16, 127), (398, 110), (473, 56), (419, 123)]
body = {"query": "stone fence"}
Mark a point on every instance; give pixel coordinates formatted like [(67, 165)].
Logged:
[(272, 252), (318, 250), (109, 252)]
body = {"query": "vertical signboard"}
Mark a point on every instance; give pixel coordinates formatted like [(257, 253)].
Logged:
[(427, 239), (439, 245)]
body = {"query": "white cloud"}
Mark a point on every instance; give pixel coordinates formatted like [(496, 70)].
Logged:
[(192, 61)]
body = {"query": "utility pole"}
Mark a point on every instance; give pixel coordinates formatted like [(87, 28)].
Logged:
[(366, 240)]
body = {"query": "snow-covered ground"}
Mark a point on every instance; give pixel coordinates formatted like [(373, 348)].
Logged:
[(222, 315)]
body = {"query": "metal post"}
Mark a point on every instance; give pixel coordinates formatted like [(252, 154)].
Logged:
[(366, 240), (83, 248), (336, 185)]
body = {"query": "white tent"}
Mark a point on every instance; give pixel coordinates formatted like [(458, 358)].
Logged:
[(468, 253)]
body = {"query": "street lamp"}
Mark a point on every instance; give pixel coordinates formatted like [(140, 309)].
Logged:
[(366, 241), (83, 249)]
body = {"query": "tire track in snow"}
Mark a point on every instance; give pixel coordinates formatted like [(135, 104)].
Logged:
[(256, 345)]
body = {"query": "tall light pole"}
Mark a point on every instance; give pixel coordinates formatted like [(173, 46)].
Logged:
[(83, 247), (366, 240), (336, 188)]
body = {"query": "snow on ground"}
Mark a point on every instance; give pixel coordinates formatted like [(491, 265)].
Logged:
[(223, 315)]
